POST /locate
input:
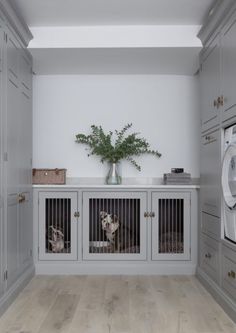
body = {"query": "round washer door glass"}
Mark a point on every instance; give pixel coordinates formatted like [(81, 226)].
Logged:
[(229, 176)]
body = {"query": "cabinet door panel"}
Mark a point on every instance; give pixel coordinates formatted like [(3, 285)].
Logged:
[(114, 227), (210, 173), (58, 225), (2, 241), (12, 137), (171, 226), (25, 231), (12, 239), (210, 86), (229, 68)]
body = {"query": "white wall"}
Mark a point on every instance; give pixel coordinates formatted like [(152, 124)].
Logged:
[(163, 108)]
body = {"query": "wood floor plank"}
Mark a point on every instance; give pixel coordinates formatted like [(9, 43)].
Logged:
[(115, 304), (60, 315)]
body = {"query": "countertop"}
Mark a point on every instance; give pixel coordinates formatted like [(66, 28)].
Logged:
[(132, 183)]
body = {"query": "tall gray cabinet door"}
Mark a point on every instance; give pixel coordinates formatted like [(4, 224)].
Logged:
[(209, 85), (12, 172), (12, 239), (229, 68), (25, 160), (25, 231), (210, 173), (2, 268)]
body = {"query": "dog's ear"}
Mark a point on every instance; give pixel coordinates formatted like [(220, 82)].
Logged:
[(103, 214)]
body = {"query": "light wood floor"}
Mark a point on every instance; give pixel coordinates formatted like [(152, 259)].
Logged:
[(115, 304)]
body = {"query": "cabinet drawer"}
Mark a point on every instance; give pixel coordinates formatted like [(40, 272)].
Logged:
[(209, 257), (211, 225), (229, 271)]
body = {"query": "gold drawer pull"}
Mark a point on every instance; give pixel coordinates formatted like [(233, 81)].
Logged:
[(21, 198), (231, 274)]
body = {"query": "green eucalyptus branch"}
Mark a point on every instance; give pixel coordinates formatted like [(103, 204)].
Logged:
[(124, 148)]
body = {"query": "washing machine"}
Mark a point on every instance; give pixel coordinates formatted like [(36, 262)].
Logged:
[(229, 183)]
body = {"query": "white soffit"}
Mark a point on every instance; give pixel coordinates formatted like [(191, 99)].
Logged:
[(115, 37), (151, 61)]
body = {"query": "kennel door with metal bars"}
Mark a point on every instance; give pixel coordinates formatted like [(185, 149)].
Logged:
[(114, 227), (58, 225), (171, 226)]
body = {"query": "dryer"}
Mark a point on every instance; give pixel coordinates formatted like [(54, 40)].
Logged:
[(228, 180)]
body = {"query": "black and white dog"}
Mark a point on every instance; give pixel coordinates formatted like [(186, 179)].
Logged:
[(117, 233), (111, 224)]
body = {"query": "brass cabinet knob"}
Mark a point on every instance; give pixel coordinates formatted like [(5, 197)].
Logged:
[(146, 214), (221, 100), (208, 255), (231, 274), (77, 214), (152, 214), (21, 198)]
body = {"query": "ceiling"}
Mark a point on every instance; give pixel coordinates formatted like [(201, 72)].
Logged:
[(112, 12)]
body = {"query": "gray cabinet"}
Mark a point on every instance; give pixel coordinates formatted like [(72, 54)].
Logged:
[(171, 226), (114, 225), (210, 257), (229, 272), (229, 68), (210, 85), (18, 158), (210, 193)]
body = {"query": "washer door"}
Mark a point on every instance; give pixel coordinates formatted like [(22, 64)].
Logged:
[(229, 176)]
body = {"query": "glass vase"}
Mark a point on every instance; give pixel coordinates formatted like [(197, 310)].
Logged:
[(113, 177)]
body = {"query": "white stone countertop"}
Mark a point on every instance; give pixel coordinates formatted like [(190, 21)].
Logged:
[(132, 183)]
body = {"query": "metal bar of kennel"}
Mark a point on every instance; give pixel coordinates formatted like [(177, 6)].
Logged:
[(159, 235), (118, 216), (176, 224), (95, 222), (47, 223), (98, 221), (91, 225), (172, 227), (68, 221), (116, 238)]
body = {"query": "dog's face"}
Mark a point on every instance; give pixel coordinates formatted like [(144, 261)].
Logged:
[(110, 222)]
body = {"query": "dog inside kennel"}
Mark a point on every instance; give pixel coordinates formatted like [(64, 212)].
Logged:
[(58, 225), (114, 225)]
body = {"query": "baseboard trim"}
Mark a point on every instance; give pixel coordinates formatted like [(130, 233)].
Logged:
[(99, 268), (15, 289), (228, 305)]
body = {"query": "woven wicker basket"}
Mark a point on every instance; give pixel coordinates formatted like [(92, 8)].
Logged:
[(49, 176)]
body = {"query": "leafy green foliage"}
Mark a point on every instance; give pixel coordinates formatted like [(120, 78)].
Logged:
[(125, 147)]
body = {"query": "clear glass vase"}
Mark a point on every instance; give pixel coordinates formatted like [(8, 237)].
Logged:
[(113, 177)]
